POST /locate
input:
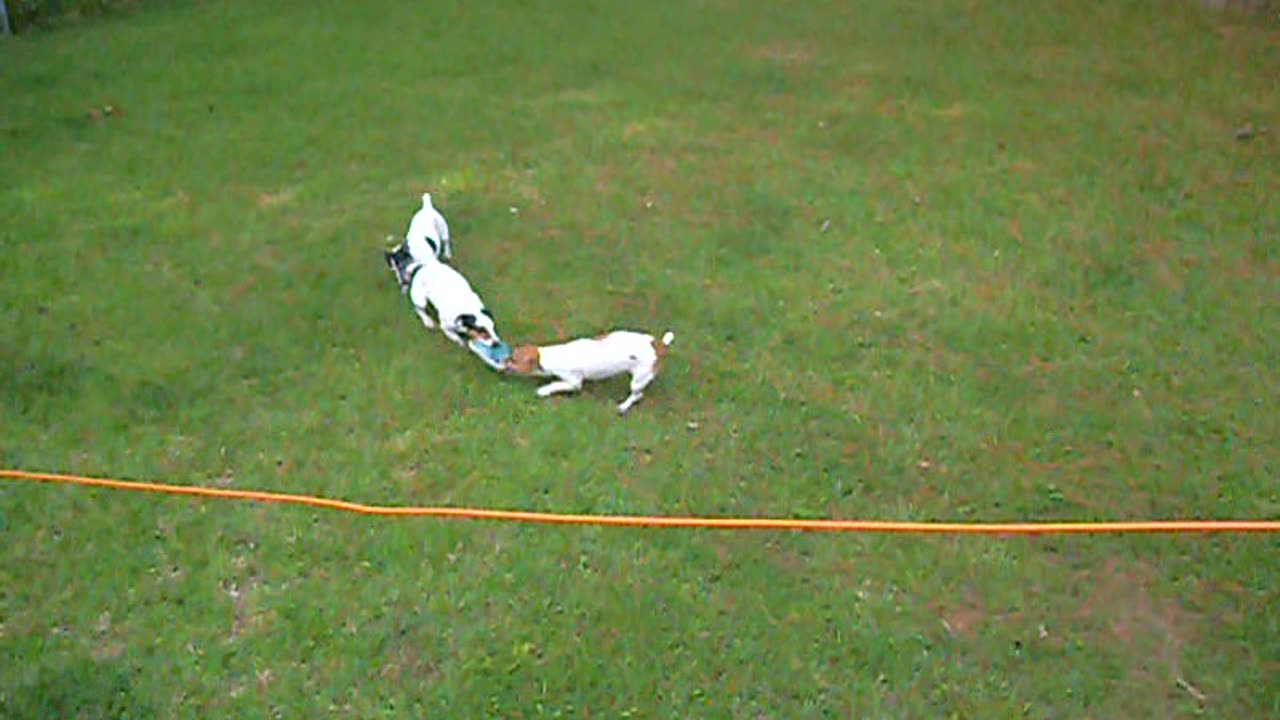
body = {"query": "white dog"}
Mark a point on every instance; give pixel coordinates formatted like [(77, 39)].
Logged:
[(428, 233), (426, 239), (594, 359), (459, 310)]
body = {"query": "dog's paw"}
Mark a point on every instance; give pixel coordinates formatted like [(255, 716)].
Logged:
[(545, 391), (628, 403)]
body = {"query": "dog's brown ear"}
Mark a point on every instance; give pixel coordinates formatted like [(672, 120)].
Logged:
[(524, 359), (533, 359)]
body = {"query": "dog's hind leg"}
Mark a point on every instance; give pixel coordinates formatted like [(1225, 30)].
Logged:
[(631, 400), (638, 383)]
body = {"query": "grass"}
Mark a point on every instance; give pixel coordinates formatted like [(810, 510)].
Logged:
[(949, 260)]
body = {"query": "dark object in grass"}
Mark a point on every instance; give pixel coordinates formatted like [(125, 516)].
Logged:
[(105, 112), (1249, 132)]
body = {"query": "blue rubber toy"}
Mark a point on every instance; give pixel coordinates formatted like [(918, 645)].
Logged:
[(495, 355)]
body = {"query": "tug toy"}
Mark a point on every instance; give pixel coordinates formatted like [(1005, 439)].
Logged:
[(494, 355)]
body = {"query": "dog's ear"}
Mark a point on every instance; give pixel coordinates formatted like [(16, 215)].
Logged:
[(517, 359), (467, 321), (524, 359)]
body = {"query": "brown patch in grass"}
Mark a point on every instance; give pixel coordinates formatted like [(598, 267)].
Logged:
[(1026, 167), (1158, 252), (179, 198), (107, 643), (951, 112), (1015, 229), (241, 289), (1036, 366), (1121, 606), (605, 177), (963, 617), (407, 664), (787, 53), (1071, 477), (888, 107), (644, 493), (1249, 266), (267, 200), (995, 287), (663, 166), (245, 615), (770, 137)]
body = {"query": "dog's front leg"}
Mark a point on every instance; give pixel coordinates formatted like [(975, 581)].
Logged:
[(559, 386), (452, 335)]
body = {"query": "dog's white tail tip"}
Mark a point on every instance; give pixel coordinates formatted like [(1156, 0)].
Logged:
[(667, 337), (426, 200)]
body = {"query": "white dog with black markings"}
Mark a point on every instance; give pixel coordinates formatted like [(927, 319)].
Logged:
[(598, 358), (426, 239), (428, 233), (460, 313)]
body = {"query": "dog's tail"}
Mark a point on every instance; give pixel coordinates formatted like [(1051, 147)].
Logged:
[(660, 346)]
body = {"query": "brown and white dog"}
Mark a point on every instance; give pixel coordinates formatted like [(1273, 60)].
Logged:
[(598, 358)]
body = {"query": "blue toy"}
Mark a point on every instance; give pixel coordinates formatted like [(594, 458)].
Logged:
[(495, 355)]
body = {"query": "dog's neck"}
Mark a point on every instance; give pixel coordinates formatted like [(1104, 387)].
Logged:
[(538, 370), (413, 272)]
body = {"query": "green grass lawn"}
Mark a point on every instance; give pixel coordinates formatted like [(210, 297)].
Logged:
[(948, 260)]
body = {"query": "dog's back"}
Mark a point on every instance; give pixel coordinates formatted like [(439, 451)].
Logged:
[(428, 232), (445, 288), (605, 355), (641, 347)]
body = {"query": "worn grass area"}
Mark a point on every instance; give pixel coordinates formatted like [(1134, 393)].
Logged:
[(952, 260)]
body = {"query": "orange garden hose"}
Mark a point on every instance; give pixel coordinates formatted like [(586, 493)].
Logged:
[(650, 521)]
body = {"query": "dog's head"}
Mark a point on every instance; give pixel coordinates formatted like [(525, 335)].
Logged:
[(479, 328), (524, 360)]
